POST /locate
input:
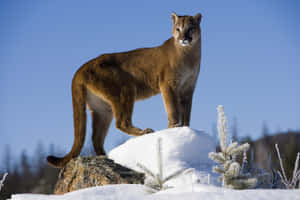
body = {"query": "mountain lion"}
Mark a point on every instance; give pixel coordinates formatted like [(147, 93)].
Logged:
[(110, 84)]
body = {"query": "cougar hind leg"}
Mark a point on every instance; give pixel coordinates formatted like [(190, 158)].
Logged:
[(101, 118)]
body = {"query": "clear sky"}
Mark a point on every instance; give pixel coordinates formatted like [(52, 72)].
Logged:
[(250, 63)]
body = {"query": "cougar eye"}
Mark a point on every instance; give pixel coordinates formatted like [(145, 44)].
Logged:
[(177, 29)]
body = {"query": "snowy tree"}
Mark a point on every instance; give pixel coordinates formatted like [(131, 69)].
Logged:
[(232, 175), (158, 180)]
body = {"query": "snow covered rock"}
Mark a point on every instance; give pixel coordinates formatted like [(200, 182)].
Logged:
[(83, 172), (181, 148)]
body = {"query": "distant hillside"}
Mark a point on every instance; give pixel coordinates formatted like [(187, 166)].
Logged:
[(264, 148)]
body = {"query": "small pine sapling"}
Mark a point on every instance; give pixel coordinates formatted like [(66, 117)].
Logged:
[(232, 175), (2, 181), (158, 180), (295, 179)]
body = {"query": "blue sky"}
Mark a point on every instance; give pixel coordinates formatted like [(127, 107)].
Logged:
[(250, 63)]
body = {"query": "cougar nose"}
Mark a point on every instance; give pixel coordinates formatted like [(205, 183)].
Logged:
[(187, 38)]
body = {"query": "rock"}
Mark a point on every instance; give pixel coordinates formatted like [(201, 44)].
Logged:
[(89, 171)]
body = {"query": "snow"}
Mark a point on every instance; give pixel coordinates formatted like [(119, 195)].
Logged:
[(181, 148), (140, 192), (108, 192)]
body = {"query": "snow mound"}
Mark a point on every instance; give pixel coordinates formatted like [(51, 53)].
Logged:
[(107, 192), (181, 148)]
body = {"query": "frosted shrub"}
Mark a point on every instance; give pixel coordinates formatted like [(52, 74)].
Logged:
[(2, 181), (295, 179), (232, 175), (158, 180)]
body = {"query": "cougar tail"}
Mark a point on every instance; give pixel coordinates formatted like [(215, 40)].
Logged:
[(79, 117)]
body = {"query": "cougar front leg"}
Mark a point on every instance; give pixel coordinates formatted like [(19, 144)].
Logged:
[(123, 110), (186, 107), (171, 103)]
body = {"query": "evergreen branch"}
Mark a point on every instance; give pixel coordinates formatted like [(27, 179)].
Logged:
[(174, 175), (231, 147), (189, 170), (159, 181), (219, 170), (227, 164), (146, 170), (244, 183), (233, 171), (159, 159), (240, 149), (222, 128), (218, 157)]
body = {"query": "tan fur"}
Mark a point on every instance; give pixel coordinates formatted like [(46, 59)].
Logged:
[(111, 83)]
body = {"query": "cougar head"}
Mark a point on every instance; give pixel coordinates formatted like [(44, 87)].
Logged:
[(186, 29)]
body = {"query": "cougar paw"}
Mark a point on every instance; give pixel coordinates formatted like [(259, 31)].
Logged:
[(174, 125), (148, 130)]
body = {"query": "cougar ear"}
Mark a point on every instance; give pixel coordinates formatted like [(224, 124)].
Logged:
[(174, 17), (198, 18)]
